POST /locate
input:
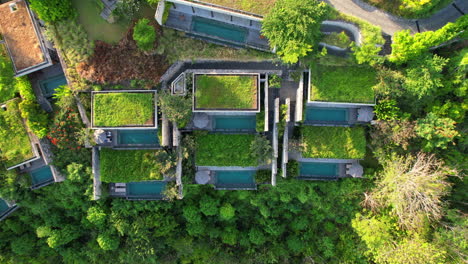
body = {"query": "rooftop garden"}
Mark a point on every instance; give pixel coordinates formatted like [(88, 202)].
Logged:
[(130, 165), (333, 142), (15, 145), (259, 7), (224, 150), (123, 109), (351, 84), (226, 92)]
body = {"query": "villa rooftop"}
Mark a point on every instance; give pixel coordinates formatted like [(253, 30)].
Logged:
[(22, 38), (258, 7)]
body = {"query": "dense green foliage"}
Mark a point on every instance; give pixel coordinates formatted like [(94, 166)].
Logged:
[(14, 140), (340, 40), (437, 131), (7, 88), (123, 109), (333, 142), (36, 118), (53, 10), (134, 165), (144, 34), (410, 8), (293, 27), (409, 47), (225, 150), (342, 84), (178, 109), (226, 92)]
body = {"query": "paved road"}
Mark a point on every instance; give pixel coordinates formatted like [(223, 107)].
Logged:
[(391, 24)]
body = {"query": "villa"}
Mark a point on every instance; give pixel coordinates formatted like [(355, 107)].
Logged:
[(23, 151), (22, 38), (129, 141)]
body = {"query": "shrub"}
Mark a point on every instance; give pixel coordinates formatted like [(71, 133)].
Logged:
[(7, 88), (260, 122), (36, 118), (274, 81), (293, 27), (261, 149), (387, 110), (53, 10), (178, 109), (144, 34), (263, 176), (293, 168)]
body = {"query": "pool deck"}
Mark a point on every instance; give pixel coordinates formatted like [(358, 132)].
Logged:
[(182, 18)]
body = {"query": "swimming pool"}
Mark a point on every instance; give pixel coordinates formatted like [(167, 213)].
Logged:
[(235, 122), (327, 114), (146, 189), (3, 206), (318, 169), (49, 85), (219, 29), (41, 175), (235, 179), (136, 137)]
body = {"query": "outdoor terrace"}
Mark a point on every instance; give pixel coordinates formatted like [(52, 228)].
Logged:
[(22, 38)]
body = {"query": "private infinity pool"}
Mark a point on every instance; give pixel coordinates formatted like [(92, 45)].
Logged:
[(146, 190), (49, 85), (235, 122), (327, 114), (41, 176), (318, 170), (219, 29), (235, 179), (3, 206), (138, 137)]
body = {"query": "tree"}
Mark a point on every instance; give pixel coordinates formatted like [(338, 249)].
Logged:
[(144, 34), (293, 27), (53, 10), (108, 241), (437, 131), (424, 76), (178, 109), (227, 212)]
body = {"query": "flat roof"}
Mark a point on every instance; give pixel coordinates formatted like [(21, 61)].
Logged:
[(20, 34)]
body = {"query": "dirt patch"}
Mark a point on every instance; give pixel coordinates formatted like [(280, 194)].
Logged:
[(123, 61)]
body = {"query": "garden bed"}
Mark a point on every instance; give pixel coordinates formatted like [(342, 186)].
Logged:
[(333, 142), (15, 144), (226, 92), (224, 150), (340, 40), (351, 84), (124, 109), (128, 166)]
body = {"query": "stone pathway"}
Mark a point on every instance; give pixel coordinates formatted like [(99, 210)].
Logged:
[(391, 24)]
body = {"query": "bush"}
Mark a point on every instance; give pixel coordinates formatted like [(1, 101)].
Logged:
[(36, 118), (144, 34), (7, 89), (260, 122), (263, 176), (261, 149), (387, 110), (178, 109), (274, 81), (293, 168), (53, 10)]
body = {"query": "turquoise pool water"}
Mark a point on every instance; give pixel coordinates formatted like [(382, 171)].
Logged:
[(318, 169), (41, 175), (235, 179), (3, 206), (146, 189), (327, 114), (134, 137), (219, 29), (235, 122), (48, 86)]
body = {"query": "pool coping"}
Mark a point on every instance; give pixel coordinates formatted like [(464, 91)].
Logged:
[(221, 110), (11, 208), (155, 126)]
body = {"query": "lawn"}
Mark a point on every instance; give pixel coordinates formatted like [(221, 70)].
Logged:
[(333, 142), (123, 109), (15, 145), (351, 84), (226, 92), (128, 165), (99, 29), (224, 150), (259, 7)]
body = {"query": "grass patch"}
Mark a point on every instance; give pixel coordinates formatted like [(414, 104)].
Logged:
[(15, 145), (123, 109), (176, 46), (89, 15), (343, 83), (224, 150), (340, 40), (333, 142), (128, 165), (226, 92), (259, 7)]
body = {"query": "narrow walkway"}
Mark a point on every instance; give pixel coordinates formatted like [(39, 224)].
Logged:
[(391, 24)]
